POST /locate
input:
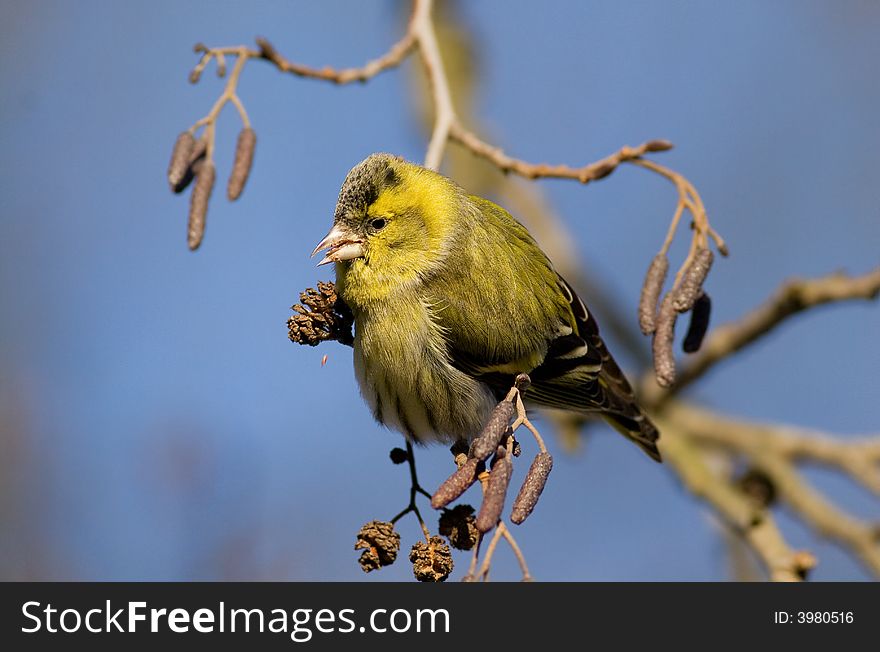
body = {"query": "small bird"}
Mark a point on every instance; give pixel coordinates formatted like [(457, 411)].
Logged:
[(452, 298)]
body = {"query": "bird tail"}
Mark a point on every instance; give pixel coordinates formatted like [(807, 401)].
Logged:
[(638, 428), (623, 413)]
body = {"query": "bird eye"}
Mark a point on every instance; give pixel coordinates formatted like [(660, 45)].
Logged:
[(378, 223)]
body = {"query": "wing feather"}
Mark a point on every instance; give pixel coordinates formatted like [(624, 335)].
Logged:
[(494, 335)]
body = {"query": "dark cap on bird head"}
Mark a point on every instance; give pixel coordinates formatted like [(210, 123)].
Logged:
[(362, 186), (364, 182)]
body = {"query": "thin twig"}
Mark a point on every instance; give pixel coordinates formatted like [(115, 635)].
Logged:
[(583, 174), (444, 113), (391, 59), (490, 552), (520, 557), (415, 488), (228, 95)]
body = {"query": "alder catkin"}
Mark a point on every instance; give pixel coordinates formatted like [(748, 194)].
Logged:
[(196, 158), (532, 487), (241, 168), (496, 491), (198, 207), (692, 282), (198, 155), (664, 334), (699, 324), (456, 484), (651, 289), (181, 156), (484, 445)]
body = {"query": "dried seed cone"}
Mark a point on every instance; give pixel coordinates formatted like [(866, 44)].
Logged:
[(380, 543), (459, 526), (496, 491), (322, 316), (241, 168), (699, 324), (432, 560), (532, 487), (692, 281), (456, 484), (651, 288), (198, 206), (181, 156), (484, 445)]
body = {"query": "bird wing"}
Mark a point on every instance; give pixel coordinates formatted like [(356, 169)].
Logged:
[(578, 366), (516, 314), (499, 301), (577, 373), (580, 374)]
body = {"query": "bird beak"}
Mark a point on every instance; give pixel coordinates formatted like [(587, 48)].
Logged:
[(342, 245)]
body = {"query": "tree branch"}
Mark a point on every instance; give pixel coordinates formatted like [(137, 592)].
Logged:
[(756, 526), (584, 174), (444, 113), (391, 59), (775, 451)]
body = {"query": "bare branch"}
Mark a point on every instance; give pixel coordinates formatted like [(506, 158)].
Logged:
[(859, 457), (828, 519), (756, 526), (775, 450), (391, 59), (444, 113), (584, 174)]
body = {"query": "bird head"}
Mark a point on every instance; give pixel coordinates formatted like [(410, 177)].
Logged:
[(393, 217)]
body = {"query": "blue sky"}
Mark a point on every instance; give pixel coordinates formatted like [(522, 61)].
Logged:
[(172, 430)]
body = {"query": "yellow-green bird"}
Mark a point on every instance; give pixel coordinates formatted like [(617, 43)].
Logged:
[(452, 298)]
